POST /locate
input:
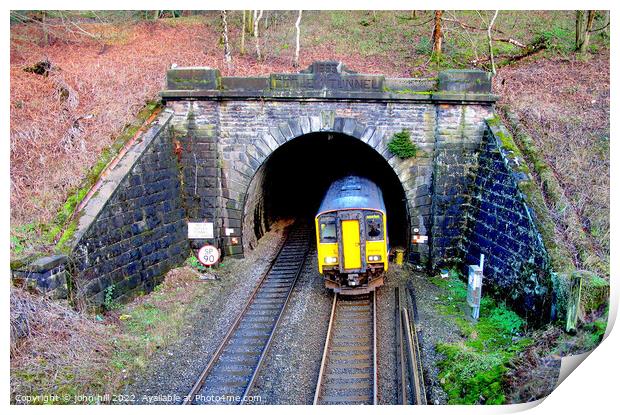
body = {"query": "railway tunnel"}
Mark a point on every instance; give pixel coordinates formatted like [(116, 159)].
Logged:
[(228, 156), (292, 181)]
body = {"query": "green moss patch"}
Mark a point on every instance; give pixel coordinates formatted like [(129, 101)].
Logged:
[(61, 222), (594, 292), (472, 370)]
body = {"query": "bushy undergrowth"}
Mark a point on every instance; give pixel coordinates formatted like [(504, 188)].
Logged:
[(61, 353), (473, 369)]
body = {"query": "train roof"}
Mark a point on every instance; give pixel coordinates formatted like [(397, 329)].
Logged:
[(352, 192)]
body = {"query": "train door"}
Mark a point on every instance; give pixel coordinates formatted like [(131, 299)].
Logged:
[(351, 241), (351, 244)]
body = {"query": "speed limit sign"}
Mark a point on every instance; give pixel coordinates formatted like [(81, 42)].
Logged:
[(208, 255)]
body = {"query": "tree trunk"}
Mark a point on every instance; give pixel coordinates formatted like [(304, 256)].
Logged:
[(257, 16), (46, 35), (589, 25), (249, 23), (437, 33), (227, 56), (242, 48), (583, 27), (296, 62), (489, 37)]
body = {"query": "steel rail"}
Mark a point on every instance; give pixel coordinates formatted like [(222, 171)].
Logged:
[(325, 351), (271, 335), (400, 353), (205, 373), (336, 331), (416, 375), (421, 389), (374, 348)]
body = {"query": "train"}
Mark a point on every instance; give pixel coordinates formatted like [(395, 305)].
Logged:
[(351, 235)]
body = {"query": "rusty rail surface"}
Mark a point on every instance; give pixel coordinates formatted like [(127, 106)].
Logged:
[(409, 363)]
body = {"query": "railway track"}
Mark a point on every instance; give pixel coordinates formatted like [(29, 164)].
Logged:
[(411, 390), (231, 372), (348, 373)]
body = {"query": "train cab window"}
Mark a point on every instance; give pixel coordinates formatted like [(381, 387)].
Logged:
[(328, 229), (374, 227)]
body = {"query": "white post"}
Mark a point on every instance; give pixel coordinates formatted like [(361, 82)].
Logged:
[(474, 287)]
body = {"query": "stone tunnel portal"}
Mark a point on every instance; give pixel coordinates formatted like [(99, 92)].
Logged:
[(292, 181)]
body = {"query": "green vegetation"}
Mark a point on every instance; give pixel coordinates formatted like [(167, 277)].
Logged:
[(109, 302), (472, 370), (594, 292), (193, 262), (557, 39), (402, 146), (594, 332)]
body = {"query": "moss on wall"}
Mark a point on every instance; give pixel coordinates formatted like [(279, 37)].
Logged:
[(547, 200), (554, 199), (64, 222)]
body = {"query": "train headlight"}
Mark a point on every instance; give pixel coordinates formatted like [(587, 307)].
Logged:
[(331, 260), (374, 258)]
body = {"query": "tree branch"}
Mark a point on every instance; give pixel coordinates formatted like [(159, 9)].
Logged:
[(466, 26)]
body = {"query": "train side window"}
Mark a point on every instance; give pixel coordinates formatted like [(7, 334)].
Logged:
[(374, 227), (328, 229)]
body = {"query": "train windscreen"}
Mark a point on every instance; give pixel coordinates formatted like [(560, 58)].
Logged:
[(328, 229), (374, 226)]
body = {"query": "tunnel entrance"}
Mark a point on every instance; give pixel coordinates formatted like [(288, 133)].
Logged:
[(292, 181)]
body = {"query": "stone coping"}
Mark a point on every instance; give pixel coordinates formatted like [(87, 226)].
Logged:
[(110, 184), (329, 80)]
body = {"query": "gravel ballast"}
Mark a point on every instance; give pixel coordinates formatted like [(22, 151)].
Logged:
[(291, 368), (432, 327), (171, 373)]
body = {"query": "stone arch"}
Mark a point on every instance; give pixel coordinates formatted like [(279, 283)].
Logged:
[(259, 151)]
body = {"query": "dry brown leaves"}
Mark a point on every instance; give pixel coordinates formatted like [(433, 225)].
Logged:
[(54, 140), (565, 105), (48, 338), (535, 371)]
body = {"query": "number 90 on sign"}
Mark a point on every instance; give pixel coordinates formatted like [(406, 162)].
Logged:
[(208, 255)]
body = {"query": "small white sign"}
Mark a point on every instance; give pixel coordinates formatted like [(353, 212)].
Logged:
[(229, 231), (208, 255), (200, 230), (419, 239)]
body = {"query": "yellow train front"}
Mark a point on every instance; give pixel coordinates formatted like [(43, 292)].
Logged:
[(352, 240)]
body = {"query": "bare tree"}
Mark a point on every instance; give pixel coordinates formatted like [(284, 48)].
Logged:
[(606, 23), (296, 63), (258, 14), (227, 56), (489, 38), (242, 48), (249, 23), (584, 21), (437, 33)]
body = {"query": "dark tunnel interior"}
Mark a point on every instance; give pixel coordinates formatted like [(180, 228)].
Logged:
[(294, 179)]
